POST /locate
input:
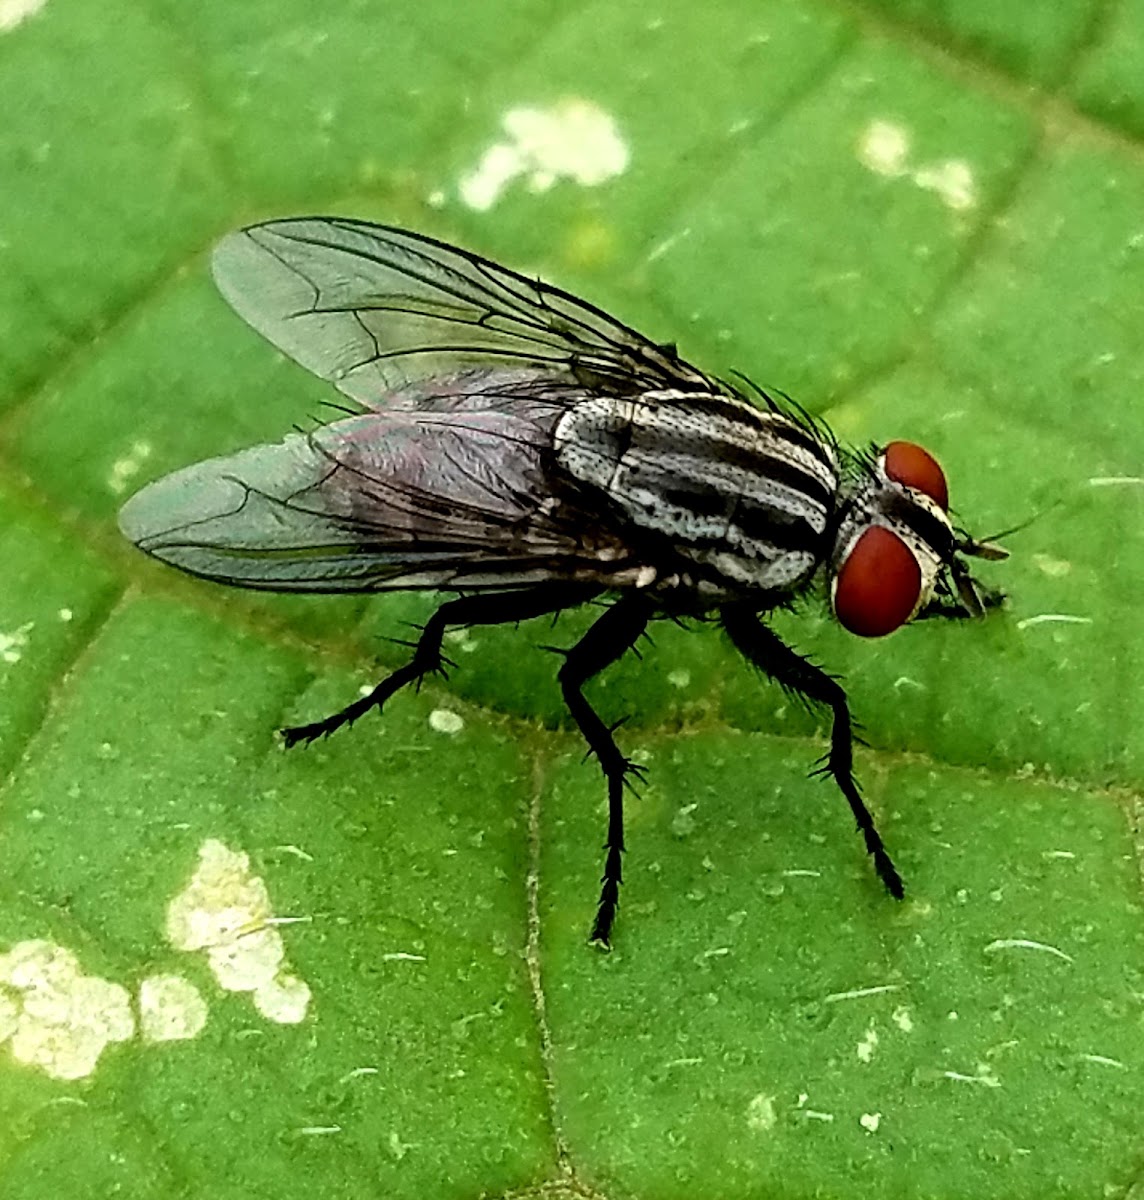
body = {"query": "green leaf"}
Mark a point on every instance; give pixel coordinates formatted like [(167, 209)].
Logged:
[(361, 969)]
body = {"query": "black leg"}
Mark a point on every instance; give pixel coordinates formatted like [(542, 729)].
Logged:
[(492, 608), (770, 654), (606, 641), (955, 610)]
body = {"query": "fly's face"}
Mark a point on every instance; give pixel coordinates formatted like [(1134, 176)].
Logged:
[(893, 542), (896, 554)]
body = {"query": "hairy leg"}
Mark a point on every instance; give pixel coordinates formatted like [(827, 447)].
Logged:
[(606, 641), (761, 646), (488, 608)]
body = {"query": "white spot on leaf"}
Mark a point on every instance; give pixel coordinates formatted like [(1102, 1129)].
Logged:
[(124, 469), (59, 1019), (903, 1018), (683, 823), (15, 12), (9, 1016), (1054, 568), (443, 720), (868, 1045), (761, 1114), (500, 165), (225, 911), (463, 639), (283, 1000), (574, 139), (13, 645), (884, 148), (171, 1009), (870, 1121), (952, 182)]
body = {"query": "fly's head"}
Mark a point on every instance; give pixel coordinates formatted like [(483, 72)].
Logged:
[(896, 555)]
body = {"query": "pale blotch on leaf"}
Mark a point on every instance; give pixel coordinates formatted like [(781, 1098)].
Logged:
[(952, 181), (1054, 568), (884, 148), (15, 12), (9, 1016), (57, 1018), (443, 720), (284, 1000), (761, 1114), (171, 1009), (225, 912), (463, 640), (903, 1018), (868, 1045), (124, 469), (870, 1121), (14, 643), (573, 139)]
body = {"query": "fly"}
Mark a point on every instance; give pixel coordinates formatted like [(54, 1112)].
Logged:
[(523, 451)]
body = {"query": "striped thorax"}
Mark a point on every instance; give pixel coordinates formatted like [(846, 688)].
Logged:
[(743, 497)]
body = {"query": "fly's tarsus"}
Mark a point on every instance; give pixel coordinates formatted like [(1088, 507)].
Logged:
[(763, 647)]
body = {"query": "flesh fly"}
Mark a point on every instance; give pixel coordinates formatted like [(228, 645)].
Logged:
[(523, 452)]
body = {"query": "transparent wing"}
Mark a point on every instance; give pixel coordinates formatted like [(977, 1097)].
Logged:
[(383, 314), (384, 500)]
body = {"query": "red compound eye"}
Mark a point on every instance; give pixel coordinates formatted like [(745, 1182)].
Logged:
[(879, 585), (909, 464)]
